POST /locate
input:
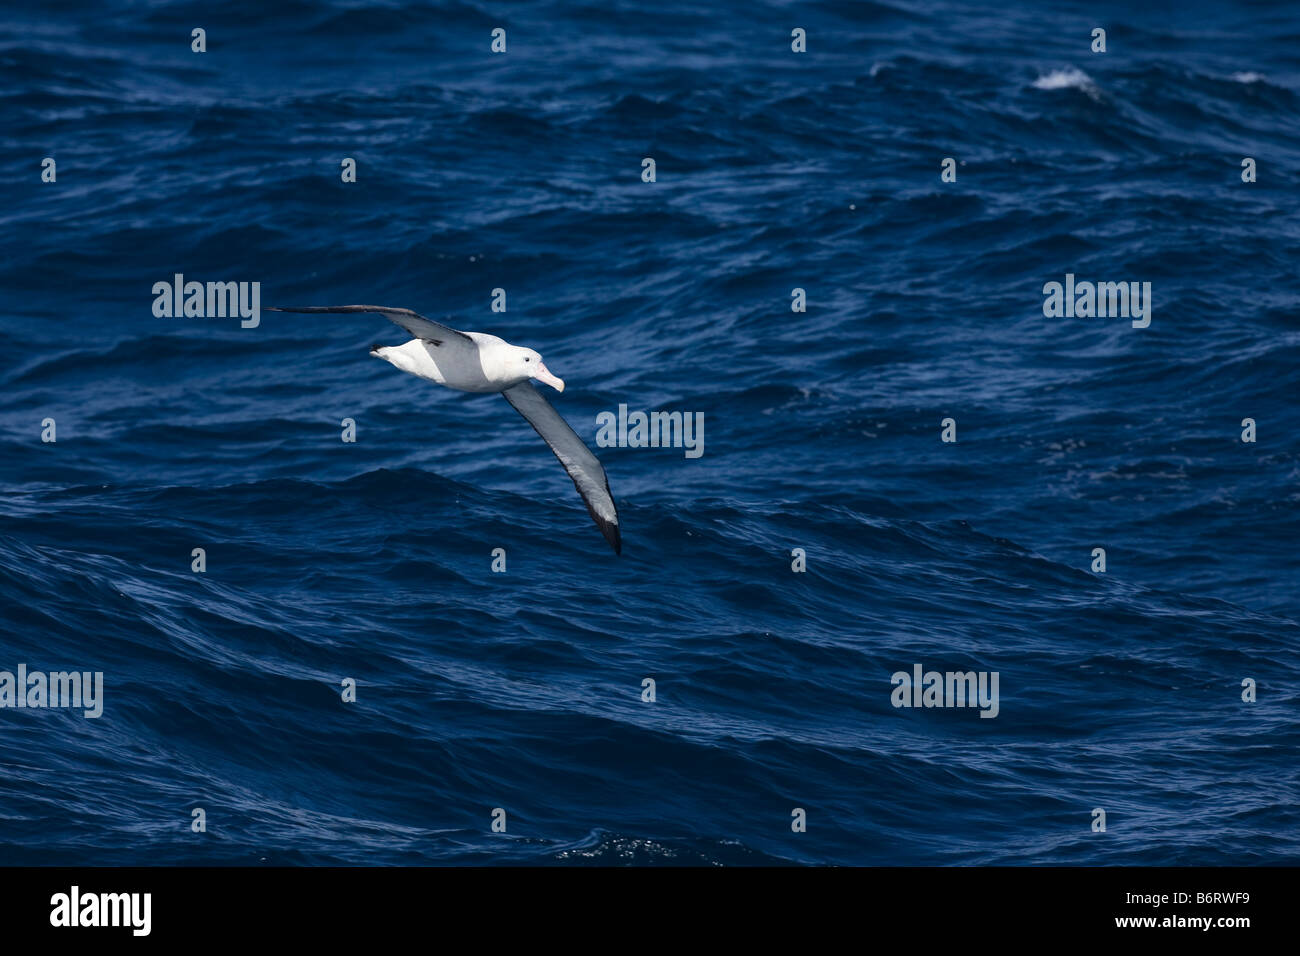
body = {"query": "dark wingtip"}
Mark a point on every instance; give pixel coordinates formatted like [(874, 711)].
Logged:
[(610, 530)]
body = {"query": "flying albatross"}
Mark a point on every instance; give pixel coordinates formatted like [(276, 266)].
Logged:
[(477, 362)]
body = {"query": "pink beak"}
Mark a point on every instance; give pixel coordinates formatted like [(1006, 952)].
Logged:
[(543, 374)]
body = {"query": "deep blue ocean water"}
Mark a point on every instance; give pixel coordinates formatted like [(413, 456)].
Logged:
[(372, 560)]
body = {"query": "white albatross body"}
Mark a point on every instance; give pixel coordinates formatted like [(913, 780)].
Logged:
[(477, 362), (486, 367)]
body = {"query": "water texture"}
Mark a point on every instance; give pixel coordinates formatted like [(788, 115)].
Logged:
[(522, 690)]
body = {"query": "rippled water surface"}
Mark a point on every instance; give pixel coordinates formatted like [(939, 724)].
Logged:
[(372, 560)]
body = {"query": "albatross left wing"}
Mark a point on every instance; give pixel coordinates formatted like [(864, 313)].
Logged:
[(415, 323), (583, 467)]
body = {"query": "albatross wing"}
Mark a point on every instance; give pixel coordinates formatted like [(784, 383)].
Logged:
[(413, 322), (583, 467)]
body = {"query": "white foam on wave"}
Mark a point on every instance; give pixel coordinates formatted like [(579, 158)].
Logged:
[(1069, 78), (1248, 77)]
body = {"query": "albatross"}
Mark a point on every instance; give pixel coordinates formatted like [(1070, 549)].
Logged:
[(477, 362)]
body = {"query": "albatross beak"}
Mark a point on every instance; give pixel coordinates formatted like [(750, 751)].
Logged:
[(543, 374)]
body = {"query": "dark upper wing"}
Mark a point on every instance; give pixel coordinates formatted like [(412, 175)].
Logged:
[(413, 322), (583, 467)]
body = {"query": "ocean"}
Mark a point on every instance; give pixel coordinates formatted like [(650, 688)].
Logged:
[(344, 616)]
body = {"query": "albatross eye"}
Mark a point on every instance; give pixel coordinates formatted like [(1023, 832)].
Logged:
[(528, 358)]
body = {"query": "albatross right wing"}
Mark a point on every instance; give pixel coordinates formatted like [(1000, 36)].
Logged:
[(583, 467), (413, 322)]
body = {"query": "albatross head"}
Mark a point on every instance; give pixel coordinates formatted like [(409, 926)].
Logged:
[(530, 365)]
